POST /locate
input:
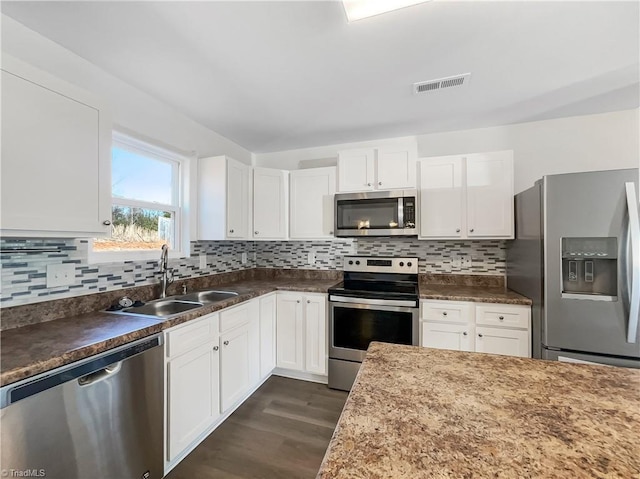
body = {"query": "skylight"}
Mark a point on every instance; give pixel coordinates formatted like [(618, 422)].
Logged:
[(359, 9)]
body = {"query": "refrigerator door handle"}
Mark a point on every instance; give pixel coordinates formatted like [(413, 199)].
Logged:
[(634, 262)]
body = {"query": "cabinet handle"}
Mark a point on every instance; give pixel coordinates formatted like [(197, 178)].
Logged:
[(479, 335), (330, 232), (471, 230), (368, 184), (464, 333), (230, 231), (215, 348), (226, 343), (255, 232), (308, 301), (444, 313), (457, 230), (379, 183), (106, 222), (501, 318), (297, 300)]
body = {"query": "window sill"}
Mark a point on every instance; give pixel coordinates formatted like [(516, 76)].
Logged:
[(98, 257)]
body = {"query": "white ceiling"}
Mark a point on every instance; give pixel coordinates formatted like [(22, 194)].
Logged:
[(280, 75)]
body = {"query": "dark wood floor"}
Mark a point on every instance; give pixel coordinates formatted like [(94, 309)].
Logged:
[(281, 431)]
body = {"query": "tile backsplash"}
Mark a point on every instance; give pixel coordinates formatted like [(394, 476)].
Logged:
[(24, 274)]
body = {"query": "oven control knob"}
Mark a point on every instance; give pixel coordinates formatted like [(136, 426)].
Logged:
[(357, 262), (401, 263), (350, 262), (408, 264)]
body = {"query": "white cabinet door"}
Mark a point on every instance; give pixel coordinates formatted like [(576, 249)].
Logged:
[(235, 360), (441, 197), (510, 342), (458, 337), (56, 156), (267, 334), (395, 168), (193, 393), (311, 203), (237, 198), (290, 332), (490, 194), (356, 170), (254, 341), (270, 203), (316, 353)]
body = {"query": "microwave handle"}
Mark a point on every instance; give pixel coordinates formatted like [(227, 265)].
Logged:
[(400, 212)]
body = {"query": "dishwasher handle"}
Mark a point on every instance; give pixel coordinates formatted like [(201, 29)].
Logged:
[(87, 371), (100, 375)]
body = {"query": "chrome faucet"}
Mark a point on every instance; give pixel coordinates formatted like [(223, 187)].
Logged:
[(165, 271)]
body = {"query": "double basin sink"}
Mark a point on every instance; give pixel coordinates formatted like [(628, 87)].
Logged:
[(166, 308)]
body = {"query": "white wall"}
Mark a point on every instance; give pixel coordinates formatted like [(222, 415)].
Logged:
[(581, 143), (133, 110)]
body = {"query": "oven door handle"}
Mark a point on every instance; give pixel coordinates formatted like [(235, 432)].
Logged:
[(375, 302)]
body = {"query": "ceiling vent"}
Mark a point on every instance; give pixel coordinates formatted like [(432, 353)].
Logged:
[(440, 83)]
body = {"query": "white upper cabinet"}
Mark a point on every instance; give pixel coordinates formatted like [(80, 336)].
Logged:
[(467, 196), (223, 199), (270, 203), (441, 194), (395, 168), (311, 207), (56, 156), (384, 168), (490, 194), (356, 170)]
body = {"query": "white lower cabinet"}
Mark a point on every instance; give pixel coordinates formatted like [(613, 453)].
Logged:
[(193, 399), (267, 334), (214, 363), (480, 327), (458, 337), (234, 365), (511, 342), (290, 332), (301, 342)]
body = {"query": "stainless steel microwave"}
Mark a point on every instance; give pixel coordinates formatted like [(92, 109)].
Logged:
[(376, 213)]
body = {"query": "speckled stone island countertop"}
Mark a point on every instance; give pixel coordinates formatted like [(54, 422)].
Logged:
[(428, 413)]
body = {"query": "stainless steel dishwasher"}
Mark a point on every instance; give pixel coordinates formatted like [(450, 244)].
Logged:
[(101, 417)]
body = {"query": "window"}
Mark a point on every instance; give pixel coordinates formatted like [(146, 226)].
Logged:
[(146, 206)]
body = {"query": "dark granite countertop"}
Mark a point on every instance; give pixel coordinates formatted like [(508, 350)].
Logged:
[(423, 413), (478, 294), (36, 348)]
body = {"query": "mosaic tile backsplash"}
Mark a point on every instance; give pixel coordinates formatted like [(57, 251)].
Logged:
[(24, 275)]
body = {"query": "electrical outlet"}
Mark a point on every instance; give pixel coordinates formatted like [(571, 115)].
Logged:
[(60, 274), (243, 258), (203, 261), (465, 262), (311, 259)]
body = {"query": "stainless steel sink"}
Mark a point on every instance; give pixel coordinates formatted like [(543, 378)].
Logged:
[(211, 296), (163, 308)]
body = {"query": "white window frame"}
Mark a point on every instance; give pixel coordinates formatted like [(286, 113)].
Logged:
[(181, 227)]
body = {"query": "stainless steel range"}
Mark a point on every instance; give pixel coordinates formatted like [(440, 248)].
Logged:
[(378, 301)]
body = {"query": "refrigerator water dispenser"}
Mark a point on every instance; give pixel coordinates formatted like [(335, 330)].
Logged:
[(590, 268)]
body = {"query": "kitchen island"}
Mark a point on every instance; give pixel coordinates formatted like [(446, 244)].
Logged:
[(419, 412)]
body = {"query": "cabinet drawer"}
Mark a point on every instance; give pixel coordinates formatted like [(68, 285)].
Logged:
[(235, 316), (191, 335), (503, 315), (447, 311)]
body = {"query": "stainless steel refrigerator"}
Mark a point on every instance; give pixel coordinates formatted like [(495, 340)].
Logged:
[(577, 256)]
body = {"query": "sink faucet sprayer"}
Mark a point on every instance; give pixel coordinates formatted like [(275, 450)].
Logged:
[(165, 271)]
